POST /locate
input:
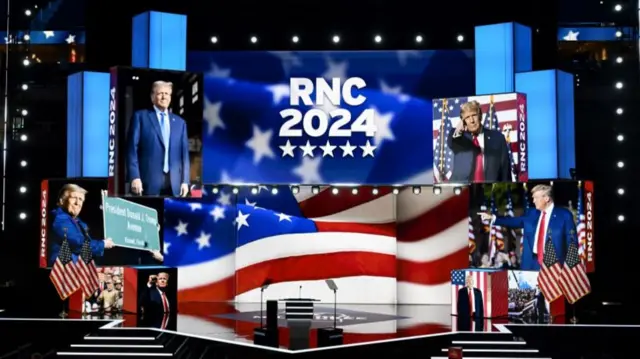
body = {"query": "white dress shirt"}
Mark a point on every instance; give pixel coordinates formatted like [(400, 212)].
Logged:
[(547, 217)]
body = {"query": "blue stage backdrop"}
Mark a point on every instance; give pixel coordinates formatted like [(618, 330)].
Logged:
[(244, 139)]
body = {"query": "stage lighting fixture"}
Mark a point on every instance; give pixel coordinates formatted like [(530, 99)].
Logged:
[(215, 190), (619, 111), (618, 7), (377, 39), (621, 218), (335, 190), (23, 137), (27, 12), (335, 39), (618, 33), (374, 191), (22, 215), (23, 189), (620, 191), (24, 87), (235, 190), (620, 164), (620, 138), (295, 189), (24, 112), (23, 163), (254, 190), (419, 39), (460, 38), (457, 191), (619, 85), (274, 190), (214, 39), (396, 190), (416, 189), (354, 191), (27, 37), (619, 59), (437, 190), (26, 62), (295, 39), (254, 39), (315, 189)]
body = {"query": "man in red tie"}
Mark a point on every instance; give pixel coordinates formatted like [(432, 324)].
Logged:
[(479, 154), (546, 222), (470, 305), (156, 304)]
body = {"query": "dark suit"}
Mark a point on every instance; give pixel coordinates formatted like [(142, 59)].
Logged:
[(497, 164), (540, 309), (466, 324), (146, 150), (463, 303), (560, 222), (76, 232), (151, 301)]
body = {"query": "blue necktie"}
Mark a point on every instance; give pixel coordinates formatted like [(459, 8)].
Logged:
[(165, 138)]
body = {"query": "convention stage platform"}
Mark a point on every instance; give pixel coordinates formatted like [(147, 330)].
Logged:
[(205, 330)]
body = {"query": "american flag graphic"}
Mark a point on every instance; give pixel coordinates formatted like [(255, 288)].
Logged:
[(500, 114), (573, 279), (379, 248), (496, 243), (512, 232), (472, 237), (244, 93), (494, 285), (581, 226), (549, 277), (525, 209), (64, 273), (87, 271)]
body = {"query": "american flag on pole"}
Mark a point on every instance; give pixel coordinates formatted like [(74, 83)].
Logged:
[(442, 154), (87, 271), (496, 243), (525, 207), (64, 274), (581, 226), (513, 232), (573, 278), (472, 237), (549, 277)]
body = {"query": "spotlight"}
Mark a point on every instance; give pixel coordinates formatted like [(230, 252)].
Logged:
[(460, 38), (416, 189), (27, 37), (619, 85), (295, 189), (457, 191), (235, 190), (619, 111), (254, 190), (620, 138), (620, 191), (335, 190), (396, 190), (23, 137), (619, 59), (618, 7), (618, 33), (27, 12), (377, 39), (24, 112), (354, 191), (23, 163), (621, 218), (620, 164), (335, 39), (26, 62), (374, 191), (23, 189), (295, 39), (254, 39), (214, 39), (24, 87), (437, 190), (22, 215), (274, 190), (315, 189), (215, 190), (419, 39)]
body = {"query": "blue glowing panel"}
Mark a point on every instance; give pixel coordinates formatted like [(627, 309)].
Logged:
[(540, 88), (501, 51), (593, 33), (159, 41), (74, 125), (566, 125)]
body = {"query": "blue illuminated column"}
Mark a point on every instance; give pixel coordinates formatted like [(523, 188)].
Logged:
[(87, 124), (159, 41), (550, 122), (501, 51)]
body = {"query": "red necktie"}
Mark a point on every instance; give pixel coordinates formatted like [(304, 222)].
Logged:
[(165, 303), (470, 302), (165, 321), (541, 231), (478, 173)]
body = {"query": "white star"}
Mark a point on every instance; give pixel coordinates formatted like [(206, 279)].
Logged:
[(252, 204), (241, 220), (287, 149), (48, 34), (307, 150), (288, 60), (195, 206), (571, 36), (165, 248), (394, 91), (335, 70), (181, 228), (383, 126), (218, 72), (367, 149), (403, 55), (226, 179), (259, 143), (217, 213), (70, 39), (347, 150), (224, 199), (279, 92), (203, 240), (309, 170), (283, 217), (327, 150), (212, 116)]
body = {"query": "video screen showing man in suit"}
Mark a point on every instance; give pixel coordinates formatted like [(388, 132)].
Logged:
[(157, 301), (470, 307), (480, 154), (159, 130), (510, 230)]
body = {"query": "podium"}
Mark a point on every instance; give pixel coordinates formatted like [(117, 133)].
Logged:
[(298, 313)]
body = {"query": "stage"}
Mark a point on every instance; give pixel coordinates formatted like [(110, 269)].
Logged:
[(226, 330)]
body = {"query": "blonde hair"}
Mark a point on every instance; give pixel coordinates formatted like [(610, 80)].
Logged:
[(545, 189), (158, 84), (67, 189), (165, 273), (471, 106)]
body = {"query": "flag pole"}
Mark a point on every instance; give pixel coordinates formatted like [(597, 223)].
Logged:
[(63, 314)]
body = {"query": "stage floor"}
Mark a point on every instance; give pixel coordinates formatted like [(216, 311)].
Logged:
[(232, 326)]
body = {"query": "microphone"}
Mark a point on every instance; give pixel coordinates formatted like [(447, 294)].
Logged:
[(300, 292)]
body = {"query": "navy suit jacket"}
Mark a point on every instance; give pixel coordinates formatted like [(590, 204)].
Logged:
[(145, 152), (497, 164), (151, 301), (463, 303), (75, 231), (560, 223)]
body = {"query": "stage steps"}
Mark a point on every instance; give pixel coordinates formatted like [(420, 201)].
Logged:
[(490, 345)]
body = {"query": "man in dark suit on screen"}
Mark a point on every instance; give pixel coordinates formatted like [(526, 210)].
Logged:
[(480, 154), (155, 305), (158, 148), (546, 222), (470, 303)]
